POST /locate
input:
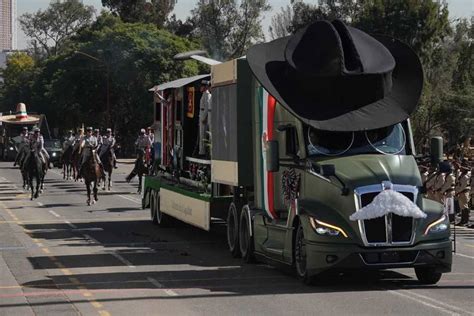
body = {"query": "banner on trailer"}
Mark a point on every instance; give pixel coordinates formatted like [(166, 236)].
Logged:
[(190, 111)]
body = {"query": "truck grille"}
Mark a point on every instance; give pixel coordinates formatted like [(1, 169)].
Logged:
[(388, 230)]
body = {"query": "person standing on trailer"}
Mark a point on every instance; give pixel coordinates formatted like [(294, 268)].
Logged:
[(204, 115)]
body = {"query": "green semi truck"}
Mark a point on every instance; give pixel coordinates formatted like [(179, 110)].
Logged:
[(304, 186)]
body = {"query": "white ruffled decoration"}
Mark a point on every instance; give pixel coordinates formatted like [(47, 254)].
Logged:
[(389, 201)]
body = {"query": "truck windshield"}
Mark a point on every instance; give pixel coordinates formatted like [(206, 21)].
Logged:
[(387, 140)]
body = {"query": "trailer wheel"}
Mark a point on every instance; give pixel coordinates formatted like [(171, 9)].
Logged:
[(301, 260), (246, 236), (146, 196), (153, 206), (233, 218), (427, 275), (159, 218)]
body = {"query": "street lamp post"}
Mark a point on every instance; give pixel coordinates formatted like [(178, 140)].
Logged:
[(107, 73)]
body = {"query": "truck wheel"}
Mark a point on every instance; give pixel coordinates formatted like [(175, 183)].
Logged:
[(161, 219), (245, 237), (301, 260), (153, 202), (427, 275), (146, 196), (233, 219)]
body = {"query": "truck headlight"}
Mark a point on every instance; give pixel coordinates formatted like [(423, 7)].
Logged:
[(437, 226), (54, 154), (11, 148), (322, 228)]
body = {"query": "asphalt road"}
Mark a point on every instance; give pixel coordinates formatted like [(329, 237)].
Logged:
[(61, 257)]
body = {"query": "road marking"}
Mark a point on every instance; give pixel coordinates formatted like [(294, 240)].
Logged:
[(40, 204), (46, 250), (130, 199), (472, 246), (70, 224), (421, 302), (59, 265), (104, 313), (66, 271), (123, 260), (155, 283), (463, 255), (54, 213), (11, 248), (95, 241), (434, 301), (96, 304), (55, 230)]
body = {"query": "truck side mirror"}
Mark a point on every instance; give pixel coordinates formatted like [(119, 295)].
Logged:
[(328, 170), (436, 149), (272, 156)]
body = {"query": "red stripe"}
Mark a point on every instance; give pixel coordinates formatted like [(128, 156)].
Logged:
[(271, 103)]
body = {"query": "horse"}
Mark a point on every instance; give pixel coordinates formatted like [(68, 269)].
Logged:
[(34, 168), (91, 173), (75, 160), (139, 170), (108, 164), (22, 154), (67, 162)]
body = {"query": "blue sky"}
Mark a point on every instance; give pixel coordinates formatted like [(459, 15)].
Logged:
[(458, 8)]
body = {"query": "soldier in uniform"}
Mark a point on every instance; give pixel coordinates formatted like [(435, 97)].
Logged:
[(467, 153), (463, 191), (204, 115), (88, 141), (37, 144), (98, 136), (108, 141), (446, 191), (24, 142), (437, 185), (68, 140), (429, 184)]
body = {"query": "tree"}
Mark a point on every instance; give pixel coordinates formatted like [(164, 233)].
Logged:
[(228, 28), (52, 28), (138, 10), (18, 76), (281, 23), (180, 28)]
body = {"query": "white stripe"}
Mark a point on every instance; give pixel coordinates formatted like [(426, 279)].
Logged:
[(434, 301), (421, 302), (70, 224), (40, 204), (155, 283), (54, 213), (463, 255), (130, 199), (123, 260)]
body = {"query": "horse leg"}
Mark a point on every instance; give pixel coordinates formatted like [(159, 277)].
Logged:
[(95, 193), (88, 187), (38, 184), (139, 183), (32, 188), (110, 179)]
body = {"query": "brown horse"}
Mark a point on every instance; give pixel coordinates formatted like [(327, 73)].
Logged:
[(139, 170), (75, 160), (91, 173), (108, 164), (67, 162)]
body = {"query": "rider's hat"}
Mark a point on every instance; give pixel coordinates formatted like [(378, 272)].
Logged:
[(89, 128), (109, 130), (36, 130), (96, 130), (25, 128), (142, 131)]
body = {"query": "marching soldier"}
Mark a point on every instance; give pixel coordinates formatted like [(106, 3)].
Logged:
[(430, 183), (24, 141), (446, 192), (463, 191), (467, 152), (437, 185), (108, 141)]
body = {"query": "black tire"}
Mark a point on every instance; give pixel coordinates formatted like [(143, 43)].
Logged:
[(301, 260), (146, 196), (427, 275), (153, 202), (245, 237), (233, 219)]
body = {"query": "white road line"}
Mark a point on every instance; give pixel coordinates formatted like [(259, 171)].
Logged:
[(463, 255), (130, 199), (54, 213), (40, 204), (398, 293), (434, 301), (155, 283), (70, 224), (54, 171), (92, 239), (123, 260)]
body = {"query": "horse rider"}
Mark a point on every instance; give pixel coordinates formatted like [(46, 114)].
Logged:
[(37, 144), (108, 141), (143, 143), (98, 136), (24, 142), (88, 141), (69, 140)]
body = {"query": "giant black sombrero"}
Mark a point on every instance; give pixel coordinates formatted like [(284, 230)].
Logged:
[(338, 78)]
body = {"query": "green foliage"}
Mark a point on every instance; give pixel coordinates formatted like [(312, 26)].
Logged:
[(72, 88), (227, 28), (133, 11), (51, 29), (18, 76)]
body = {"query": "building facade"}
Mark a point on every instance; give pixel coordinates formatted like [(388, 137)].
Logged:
[(7, 25)]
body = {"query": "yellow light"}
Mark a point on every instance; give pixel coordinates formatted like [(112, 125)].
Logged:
[(313, 222), (434, 224)]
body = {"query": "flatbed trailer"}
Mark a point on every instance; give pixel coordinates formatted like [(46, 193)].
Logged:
[(282, 202)]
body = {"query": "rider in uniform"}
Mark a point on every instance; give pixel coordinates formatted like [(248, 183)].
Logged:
[(89, 141), (24, 142), (98, 136), (37, 143), (108, 141), (143, 141), (68, 140)]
